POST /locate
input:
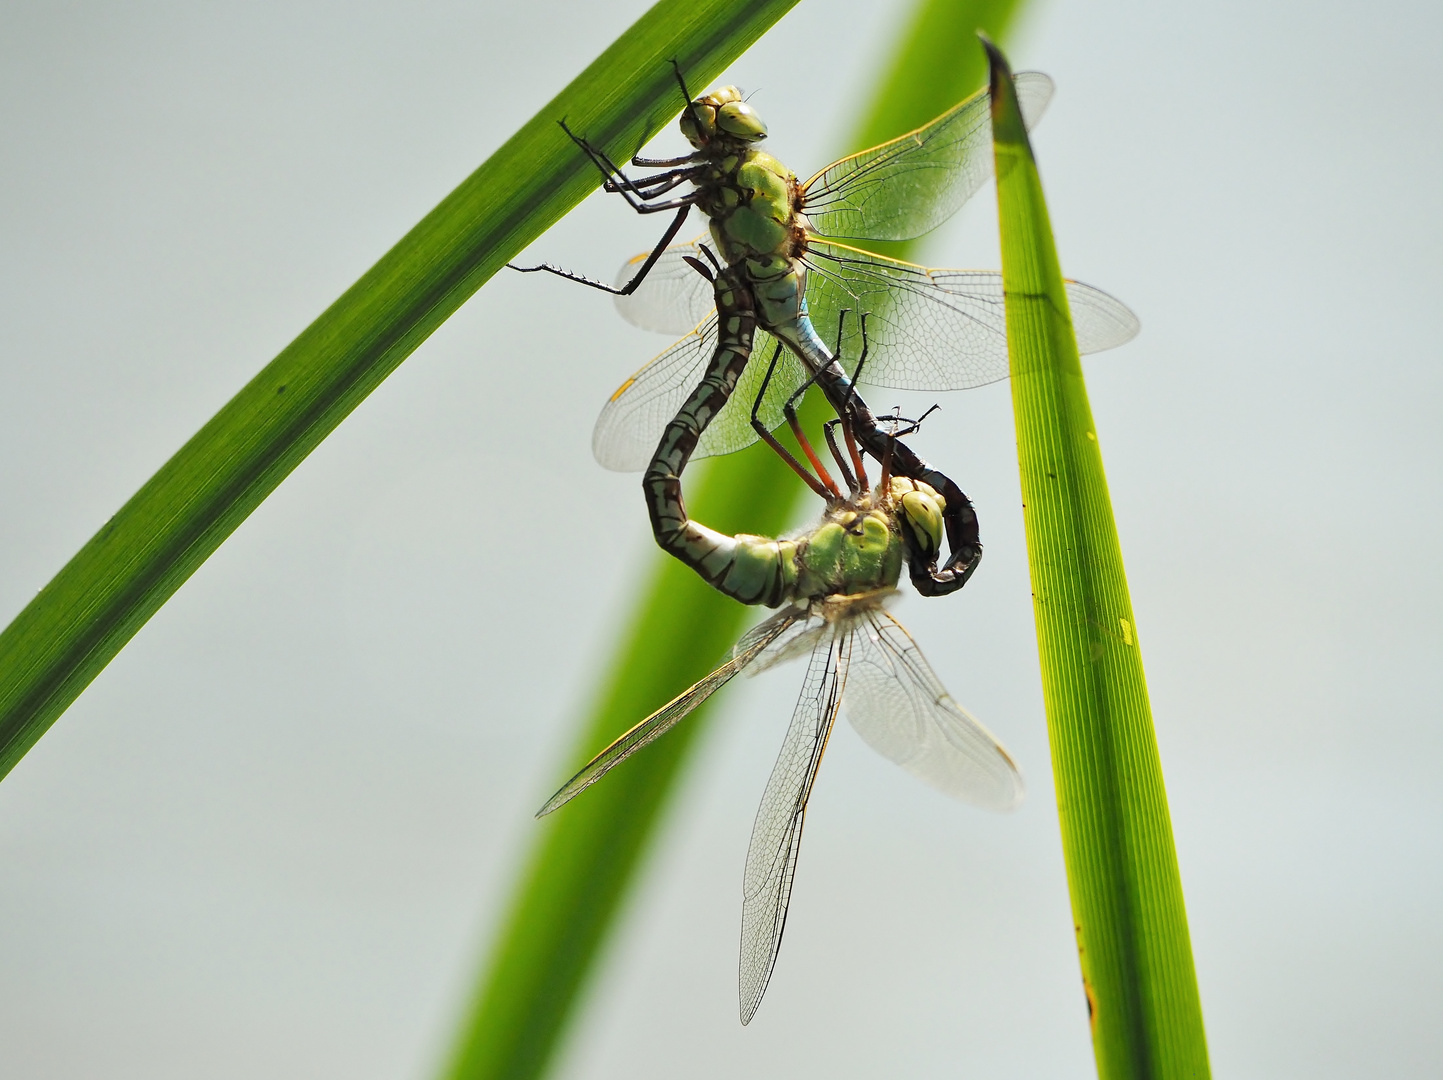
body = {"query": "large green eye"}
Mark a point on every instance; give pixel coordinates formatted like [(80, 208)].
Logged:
[(740, 120)]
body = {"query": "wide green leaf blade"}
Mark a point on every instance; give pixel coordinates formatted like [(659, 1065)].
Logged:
[(86, 614), (586, 857), (1122, 872)]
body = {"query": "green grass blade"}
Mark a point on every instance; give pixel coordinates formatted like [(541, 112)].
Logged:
[(587, 855), (87, 613), (1122, 873)]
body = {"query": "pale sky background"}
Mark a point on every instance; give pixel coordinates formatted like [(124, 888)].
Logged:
[(273, 838)]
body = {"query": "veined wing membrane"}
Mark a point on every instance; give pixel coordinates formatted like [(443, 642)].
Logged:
[(777, 834), (907, 187), (903, 712), (927, 330), (633, 419), (673, 297), (669, 715), (937, 329)]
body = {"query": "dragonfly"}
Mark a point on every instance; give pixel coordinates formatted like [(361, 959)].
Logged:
[(832, 586), (768, 574), (932, 329)]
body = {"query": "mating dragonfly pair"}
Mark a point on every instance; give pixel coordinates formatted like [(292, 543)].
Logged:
[(778, 264)]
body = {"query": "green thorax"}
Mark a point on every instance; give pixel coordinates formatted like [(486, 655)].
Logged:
[(857, 548), (750, 198)]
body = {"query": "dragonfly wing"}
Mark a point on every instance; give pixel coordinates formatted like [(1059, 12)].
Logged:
[(926, 329), (777, 834), (673, 297), (1100, 320), (803, 638), (902, 710), (907, 187), (936, 329), (633, 419), (631, 422), (671, 714)]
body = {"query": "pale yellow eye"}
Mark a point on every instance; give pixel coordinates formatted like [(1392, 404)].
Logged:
[(698, 123), (740, 120)]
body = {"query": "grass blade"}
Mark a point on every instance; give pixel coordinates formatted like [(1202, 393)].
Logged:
[(86, 614), (586, 857), (1122, 872)]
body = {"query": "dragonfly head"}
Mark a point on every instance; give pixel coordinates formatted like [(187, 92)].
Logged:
[(721, 114), (919, 509)]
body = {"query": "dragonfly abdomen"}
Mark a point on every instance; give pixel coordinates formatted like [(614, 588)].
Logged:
[(752, 569)]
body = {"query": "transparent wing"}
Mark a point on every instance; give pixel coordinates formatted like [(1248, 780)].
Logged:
[(777, 834), (669, 715), (909, 186), (904, 713), (673, 297), (631, 422), (633, 419), (926, 330), (805, 635), (937, 329)]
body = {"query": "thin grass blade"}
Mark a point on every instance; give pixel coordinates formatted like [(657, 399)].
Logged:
[(86, 614), (1122, 872)]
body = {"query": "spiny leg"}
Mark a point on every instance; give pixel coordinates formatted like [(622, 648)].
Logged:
[(636, 280), (959, 517), (689, 102), (690, 108), (771, 440), (617, 182), (903, 426), (637, 199)]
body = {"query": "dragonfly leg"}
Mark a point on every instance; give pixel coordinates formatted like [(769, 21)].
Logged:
[(771, 440), (661, 163), (898, 458), (688, 101), (650, 188), (789, 410), (850, 435), (829, 433), (616, 181), (636, 279)]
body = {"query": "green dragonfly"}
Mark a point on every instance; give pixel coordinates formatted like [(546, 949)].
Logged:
[(832, 585), (932, 329)]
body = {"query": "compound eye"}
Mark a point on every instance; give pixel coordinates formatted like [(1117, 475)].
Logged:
[(698, 123), (740, 120)]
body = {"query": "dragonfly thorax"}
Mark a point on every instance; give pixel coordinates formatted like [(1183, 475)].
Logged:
[(750, 198), (852, 551), (860, 545)]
